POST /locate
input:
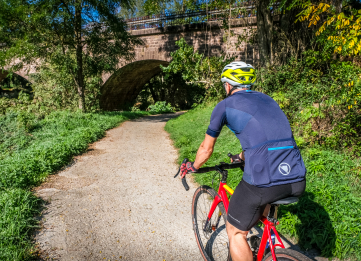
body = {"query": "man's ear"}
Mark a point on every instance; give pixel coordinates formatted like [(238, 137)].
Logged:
[(229, 88)]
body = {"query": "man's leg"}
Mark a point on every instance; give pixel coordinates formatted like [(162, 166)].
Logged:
[(239, 248)]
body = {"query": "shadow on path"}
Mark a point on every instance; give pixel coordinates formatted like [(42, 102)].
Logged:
[(160, 117)]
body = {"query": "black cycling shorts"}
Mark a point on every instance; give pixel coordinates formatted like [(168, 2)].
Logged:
[(248, 202)]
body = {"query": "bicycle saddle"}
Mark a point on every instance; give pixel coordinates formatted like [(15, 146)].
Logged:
[(285, 201)]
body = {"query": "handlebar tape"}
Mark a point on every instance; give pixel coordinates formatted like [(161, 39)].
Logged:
[(184, 182)]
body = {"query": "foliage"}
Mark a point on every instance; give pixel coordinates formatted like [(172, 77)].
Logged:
[(165, 6), (327, 216), (154, 7), (53, 88), (160, 107), (81, 40), (32, 147), (24, 102), (321, 100), (13, 134), (198, 69), (135, 10), (172, 89), (345, 33), (14, 82), (18, 208), (54, 140)]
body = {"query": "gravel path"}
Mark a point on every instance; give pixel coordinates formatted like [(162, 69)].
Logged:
[(120, 200)]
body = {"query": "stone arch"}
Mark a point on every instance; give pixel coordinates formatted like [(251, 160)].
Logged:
[(123, 87), (19, 79), (22, 73)]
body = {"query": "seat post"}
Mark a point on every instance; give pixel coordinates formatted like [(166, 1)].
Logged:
[(272, 214)]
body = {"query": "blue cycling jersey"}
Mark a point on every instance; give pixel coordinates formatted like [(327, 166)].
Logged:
[(271, 154)]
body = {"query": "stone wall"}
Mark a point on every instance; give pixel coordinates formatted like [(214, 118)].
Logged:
[(207, 38)]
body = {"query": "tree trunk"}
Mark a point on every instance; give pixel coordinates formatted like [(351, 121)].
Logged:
[(264, 31), (79, 56), (338, 6), (154, 95), (229, 28)]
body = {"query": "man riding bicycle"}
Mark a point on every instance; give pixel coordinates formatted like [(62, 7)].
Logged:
[(274, 168)]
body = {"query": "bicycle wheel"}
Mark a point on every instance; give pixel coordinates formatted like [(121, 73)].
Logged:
[(212, 239), (286, 255)]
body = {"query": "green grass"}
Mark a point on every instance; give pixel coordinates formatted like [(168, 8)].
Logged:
[(328, 215), (17, 210), (30, 150)]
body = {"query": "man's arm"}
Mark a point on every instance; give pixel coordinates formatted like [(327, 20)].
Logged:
[(205, 151)]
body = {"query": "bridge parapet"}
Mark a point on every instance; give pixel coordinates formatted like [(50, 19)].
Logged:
[(193, 17)]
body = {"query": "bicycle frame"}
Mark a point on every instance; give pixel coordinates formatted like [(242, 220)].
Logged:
[(222, 197)]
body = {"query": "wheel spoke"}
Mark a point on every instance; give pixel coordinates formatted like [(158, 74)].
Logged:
[(214, 240)]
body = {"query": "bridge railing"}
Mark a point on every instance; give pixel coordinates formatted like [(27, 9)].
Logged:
[(246, 9)]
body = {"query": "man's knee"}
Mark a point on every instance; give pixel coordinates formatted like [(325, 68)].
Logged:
[(232, 231)]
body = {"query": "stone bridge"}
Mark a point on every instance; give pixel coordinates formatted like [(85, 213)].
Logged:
[(122, 87)]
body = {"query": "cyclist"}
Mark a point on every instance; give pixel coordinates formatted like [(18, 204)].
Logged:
[(274, 168)]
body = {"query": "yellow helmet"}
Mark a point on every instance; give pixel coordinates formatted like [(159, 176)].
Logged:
[(239, 75)]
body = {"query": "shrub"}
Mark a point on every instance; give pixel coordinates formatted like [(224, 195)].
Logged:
[(160, 107), (321, 100)]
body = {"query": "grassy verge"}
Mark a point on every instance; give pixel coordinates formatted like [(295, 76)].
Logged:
[(31, 149), (328, 215)]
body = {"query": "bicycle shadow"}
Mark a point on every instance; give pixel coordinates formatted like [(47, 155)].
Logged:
[(315, 231)]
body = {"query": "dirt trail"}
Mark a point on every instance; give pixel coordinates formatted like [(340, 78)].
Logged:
[(120, 200)]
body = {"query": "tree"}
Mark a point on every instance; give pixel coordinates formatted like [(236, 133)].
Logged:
[(341, 25), (136, 10), (197, 69), (85, 38), (264, 31)]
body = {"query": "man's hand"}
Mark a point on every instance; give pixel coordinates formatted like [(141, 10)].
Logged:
[(187, 168), (236, 158)]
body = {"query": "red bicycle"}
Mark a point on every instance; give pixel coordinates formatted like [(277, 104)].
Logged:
[(209, 215)]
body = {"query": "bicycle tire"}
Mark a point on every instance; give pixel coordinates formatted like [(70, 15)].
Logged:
[(212, 242), (283, 254)]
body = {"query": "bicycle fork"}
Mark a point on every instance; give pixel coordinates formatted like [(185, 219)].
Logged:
[(216, 201), (212, 227)]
